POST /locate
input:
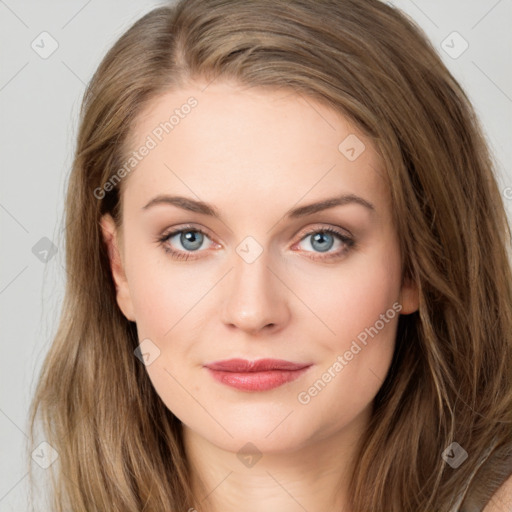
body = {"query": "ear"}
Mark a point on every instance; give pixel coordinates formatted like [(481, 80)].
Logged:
[(111, 238), (409, 297)]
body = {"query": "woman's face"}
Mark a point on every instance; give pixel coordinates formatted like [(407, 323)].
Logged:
[(262, 278)]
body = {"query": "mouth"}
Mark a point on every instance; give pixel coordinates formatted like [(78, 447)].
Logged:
[(259, 375)]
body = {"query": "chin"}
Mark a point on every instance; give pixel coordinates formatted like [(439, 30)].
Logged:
[(272, 429)]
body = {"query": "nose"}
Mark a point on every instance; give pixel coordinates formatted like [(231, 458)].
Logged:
[(256, 299)]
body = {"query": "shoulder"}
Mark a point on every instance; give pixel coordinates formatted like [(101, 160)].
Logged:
[(501, 500)]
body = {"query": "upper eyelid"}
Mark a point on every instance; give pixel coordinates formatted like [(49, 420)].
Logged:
[(319, 227), (328, 228)]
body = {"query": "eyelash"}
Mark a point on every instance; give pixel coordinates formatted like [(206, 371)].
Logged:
[(348, 242)]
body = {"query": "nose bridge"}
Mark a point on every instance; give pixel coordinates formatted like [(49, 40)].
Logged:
[(254, 298)]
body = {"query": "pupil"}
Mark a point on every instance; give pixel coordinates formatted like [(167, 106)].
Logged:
[(193, 238), (320, 237)]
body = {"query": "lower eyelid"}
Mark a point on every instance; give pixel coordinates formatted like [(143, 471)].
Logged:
[(345, 242)]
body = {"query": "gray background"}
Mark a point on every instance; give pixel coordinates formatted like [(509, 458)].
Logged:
[(39, 102)]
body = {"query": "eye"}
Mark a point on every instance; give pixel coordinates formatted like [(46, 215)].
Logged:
[(191, 240), (322, 240)]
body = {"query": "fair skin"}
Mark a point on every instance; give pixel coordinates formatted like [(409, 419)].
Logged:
[(501, 500), (255, 154)]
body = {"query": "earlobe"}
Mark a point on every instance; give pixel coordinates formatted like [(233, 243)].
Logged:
[(409, 297), (111, 239)]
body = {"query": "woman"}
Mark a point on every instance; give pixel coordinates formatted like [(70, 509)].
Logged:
[(212, 355)]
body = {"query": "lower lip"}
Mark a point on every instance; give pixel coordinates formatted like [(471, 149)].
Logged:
[(257, 381)]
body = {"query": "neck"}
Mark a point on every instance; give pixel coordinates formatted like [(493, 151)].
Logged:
[(312, 477)]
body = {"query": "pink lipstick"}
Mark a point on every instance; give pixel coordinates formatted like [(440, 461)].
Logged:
[(260, 375)]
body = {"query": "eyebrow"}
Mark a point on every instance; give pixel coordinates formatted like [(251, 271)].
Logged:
[(192, 205)]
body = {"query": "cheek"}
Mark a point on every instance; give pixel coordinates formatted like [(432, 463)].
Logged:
[(359, 305), (162, 291), (164, 297), (350, 298)]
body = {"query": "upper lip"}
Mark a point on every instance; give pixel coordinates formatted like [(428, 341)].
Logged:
[(260, 365)]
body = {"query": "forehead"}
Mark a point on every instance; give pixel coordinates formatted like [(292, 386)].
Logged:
[(226, 139)]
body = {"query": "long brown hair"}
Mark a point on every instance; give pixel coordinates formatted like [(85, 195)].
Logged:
[(120, 448)]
